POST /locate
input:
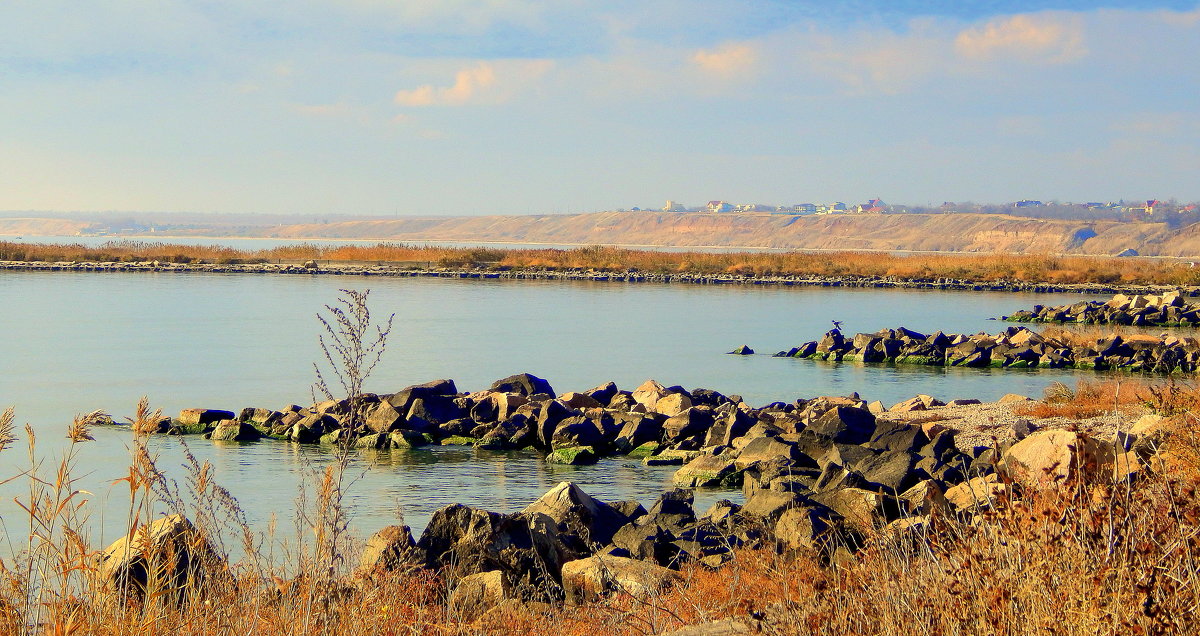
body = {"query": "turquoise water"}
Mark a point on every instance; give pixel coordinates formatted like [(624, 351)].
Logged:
[(75, 342)]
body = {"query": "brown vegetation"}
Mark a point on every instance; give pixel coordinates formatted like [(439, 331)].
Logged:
[(1092, 398), (983, 268)]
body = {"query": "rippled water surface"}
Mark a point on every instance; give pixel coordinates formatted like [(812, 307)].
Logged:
[(74, 342)]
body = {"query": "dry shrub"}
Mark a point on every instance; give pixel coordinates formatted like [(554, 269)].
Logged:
[(1093, 398)]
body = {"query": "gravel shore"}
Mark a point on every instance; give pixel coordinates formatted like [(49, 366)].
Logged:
[(992, 422)]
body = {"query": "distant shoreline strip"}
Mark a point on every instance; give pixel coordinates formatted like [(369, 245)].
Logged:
[(344, 269)]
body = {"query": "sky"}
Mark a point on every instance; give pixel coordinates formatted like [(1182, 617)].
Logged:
[(436, 107)]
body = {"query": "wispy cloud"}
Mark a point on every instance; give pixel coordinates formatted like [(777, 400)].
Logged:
[(727, 60), (1031, 38), (467, 84), (871, 62), (486, 82)]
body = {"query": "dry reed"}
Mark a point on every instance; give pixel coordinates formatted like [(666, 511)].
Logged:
[(992, 268)]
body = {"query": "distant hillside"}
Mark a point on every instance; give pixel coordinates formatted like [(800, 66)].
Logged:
[(896, 232), (923, 232), (40, 227)]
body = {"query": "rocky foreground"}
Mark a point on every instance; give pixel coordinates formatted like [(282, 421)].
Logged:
[(817, 475), (1014, 348)]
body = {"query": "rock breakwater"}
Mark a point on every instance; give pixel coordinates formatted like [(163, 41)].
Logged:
[(1014, 348), (825, 475), (1168, 309)]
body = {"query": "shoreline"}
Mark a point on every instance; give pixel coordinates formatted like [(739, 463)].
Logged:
[(654, 247), (318, 268)]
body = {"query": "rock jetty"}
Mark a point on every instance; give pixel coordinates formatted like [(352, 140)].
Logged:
[(824, 474), (1144, 310), (1014, 348)]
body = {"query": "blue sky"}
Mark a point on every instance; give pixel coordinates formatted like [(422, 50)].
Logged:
[(518, 106)]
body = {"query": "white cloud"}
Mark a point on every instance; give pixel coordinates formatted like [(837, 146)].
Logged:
[(1031, 38), (727, 60), (1186, 19), (486, 82), (868, 62)]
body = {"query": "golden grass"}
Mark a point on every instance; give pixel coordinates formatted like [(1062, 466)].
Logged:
[(1093, 398), (982, 268)]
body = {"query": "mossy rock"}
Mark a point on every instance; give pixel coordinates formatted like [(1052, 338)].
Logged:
[(997, 364), (493, 442), (573, 456), (649, 449), (851, 357), (925, 360), (179, 428), (407, 439), (459, 440), (1018, 364), (332, 438), (374, 440)]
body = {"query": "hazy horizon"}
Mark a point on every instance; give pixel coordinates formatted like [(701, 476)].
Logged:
[(370, 108)]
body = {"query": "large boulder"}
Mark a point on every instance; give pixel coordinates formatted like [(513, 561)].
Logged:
[(729, 423), (524, 384), (526, 548), (891, 472), (803, 528), (862, 510), (548, 420), (593, 521), (767, 450), (402, 400), (234, 431), (687, 423), (636, 429), (673, 404), (769, 505), (976, 494), (587, 579), (845, 424), (389, 549), (604, 393), (1051, 458), (477, 593), (383, 418), (672, 510), (436, 409), (649, 393), (576, 431), (207, 417), (167, 558), (708, 471)]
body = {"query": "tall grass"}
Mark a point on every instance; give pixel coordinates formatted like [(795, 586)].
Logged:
[(1030, 268)]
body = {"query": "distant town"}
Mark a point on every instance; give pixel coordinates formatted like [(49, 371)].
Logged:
[(1151, 210)]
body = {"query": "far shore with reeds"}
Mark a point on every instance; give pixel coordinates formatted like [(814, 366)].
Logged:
[(984, 269)]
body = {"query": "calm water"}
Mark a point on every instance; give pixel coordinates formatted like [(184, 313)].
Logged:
[(78, 342)]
